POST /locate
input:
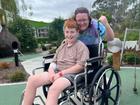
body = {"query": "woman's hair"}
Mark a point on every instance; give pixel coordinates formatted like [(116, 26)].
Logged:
[(82, 10), (70, 23)]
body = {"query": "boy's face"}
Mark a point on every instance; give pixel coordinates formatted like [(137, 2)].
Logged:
[(71, 34)]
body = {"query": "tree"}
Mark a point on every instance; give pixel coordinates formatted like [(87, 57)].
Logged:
[(134, 14), (22, 29), (118, 9), (55, 32), (10, 5)]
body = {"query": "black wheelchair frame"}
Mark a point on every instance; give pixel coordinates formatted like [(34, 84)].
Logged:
[(101, 83), (104, 88)]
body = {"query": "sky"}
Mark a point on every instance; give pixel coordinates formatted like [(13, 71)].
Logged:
[(47, 10)]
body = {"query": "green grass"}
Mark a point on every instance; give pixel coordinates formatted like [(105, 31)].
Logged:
[(37, 24)]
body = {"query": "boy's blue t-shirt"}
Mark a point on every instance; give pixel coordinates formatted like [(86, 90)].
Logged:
[(90, 35)]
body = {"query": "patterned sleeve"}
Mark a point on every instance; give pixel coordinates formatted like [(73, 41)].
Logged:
[(57, 51), (82, 54)]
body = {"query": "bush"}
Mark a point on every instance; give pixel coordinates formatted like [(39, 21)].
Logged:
[(17, 76), (42, 40), (110, 60), (129, 58), (25, 33)]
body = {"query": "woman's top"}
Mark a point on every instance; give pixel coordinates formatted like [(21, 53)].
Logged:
[(90, 35)]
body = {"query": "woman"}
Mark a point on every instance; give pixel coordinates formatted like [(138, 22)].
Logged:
[(89, 26), (89, 30)]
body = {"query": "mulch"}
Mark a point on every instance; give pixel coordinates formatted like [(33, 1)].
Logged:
[(5, 72)]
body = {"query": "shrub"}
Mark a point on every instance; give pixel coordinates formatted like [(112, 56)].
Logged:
[(110, 60), (17, 76), (25, 33), (42, 40), (130, 58)]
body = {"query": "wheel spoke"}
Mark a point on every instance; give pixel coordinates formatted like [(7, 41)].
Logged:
[(110, 79), (101, 89), (103, 101), (113, 87), (107, 87), (112, 99), (105, 82), (106, 101), (99, 97)]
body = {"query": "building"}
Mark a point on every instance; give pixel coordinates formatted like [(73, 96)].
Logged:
[(41, 32)]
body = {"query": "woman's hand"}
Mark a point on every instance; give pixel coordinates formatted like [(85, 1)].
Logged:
[(109, 31), (104, 20)]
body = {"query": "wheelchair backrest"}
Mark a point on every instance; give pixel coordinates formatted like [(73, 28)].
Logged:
[(97, 50)]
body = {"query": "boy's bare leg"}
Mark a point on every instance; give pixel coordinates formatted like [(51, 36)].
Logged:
[(33, 83), (56, 88)]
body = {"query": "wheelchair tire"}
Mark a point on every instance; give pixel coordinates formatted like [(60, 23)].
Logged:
[(105, 87), (68, 102)]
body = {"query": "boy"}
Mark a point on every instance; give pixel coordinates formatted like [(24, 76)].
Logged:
[(69, 60)]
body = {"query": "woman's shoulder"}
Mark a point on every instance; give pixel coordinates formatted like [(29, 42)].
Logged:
[(94, 21)]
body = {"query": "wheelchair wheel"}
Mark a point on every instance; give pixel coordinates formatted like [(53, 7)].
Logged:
[(67, 102), (105, 87)]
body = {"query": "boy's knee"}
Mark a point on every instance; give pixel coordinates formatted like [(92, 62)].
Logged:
[(54, 88), (32, 80)]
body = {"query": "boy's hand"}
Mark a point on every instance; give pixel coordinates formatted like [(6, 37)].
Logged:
[(51, 74), (56, 76)]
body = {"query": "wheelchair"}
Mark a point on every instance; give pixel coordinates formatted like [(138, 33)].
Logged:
[(100, 83)]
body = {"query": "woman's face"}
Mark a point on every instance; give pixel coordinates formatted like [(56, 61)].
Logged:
[(82, 20)]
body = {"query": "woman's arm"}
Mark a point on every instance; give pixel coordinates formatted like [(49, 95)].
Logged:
[(109, 31)]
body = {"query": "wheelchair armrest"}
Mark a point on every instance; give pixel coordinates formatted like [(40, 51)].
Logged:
[(75, 80), (95, 59), (48, 56), (34, 70), (76, 77)]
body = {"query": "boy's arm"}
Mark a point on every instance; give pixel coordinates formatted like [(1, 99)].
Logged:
[(74, 69), (82, 56)]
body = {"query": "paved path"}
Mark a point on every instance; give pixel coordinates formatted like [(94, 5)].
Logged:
[(10, 93)]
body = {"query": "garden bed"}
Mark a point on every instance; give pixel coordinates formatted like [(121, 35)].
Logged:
[(6, 72)]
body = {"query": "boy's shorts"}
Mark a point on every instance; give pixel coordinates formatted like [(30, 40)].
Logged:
[(70, 77)]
